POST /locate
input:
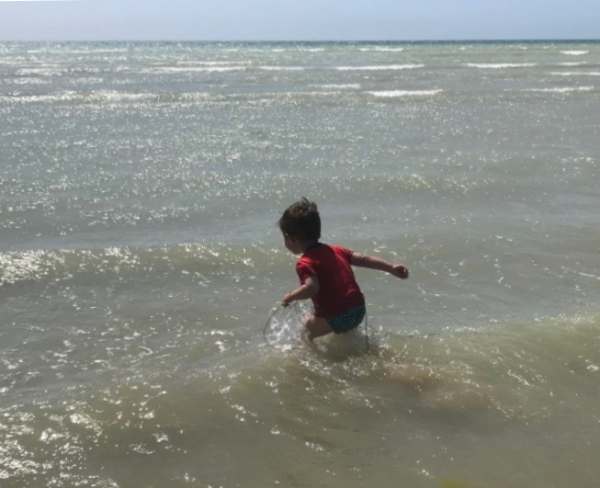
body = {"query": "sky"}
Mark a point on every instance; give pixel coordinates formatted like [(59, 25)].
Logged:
[(298, 19)]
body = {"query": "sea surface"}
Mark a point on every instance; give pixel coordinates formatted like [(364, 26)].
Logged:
[(140, 186)]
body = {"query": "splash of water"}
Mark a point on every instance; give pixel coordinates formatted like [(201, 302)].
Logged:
[(283, 328)]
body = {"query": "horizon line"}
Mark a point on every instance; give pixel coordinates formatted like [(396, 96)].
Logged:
[(424, 40)]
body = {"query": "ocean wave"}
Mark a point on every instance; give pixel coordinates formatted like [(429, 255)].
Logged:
[(575, 73), (67, 264), (145, 375), (21, 266), (339, 86), (103, 96), (64, 50), (109, 97), (47, 71), (88, 80), (562, 89), (282, 68), (212, 63), (27, 81), (56, 97), (380, 67), (292, 94), (165, 70), (50, 71), (405, 93), (500, 65), (575, 53), (383, 49)]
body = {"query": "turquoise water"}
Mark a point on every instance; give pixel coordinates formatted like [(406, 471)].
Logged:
[(140, 185)]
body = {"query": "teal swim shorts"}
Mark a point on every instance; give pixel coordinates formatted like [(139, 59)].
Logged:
[(348, 320)]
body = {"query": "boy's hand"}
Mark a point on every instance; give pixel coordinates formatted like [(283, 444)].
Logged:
[(400, 271), (287, 299)]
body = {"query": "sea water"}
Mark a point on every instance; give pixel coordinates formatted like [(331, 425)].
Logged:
[(140, 185)]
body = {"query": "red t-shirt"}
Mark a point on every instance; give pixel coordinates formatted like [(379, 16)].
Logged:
[(338, 290)]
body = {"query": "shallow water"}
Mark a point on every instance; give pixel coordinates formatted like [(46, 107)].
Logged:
[(139, 189)]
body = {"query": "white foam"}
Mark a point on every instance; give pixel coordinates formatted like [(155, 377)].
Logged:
[(212, 63), (72, 96), (339, 86), (58, 97), (382, 49), (380, 67), (115, 96), (196, 96), (87, 80), (86, 422), (574, 53), (26, 265), (284, 326), (572, 63), (309, 93), (47, 71), (575, 73), (282, 68), (29, 81), (405, 93), (63, 50), (500, 65), (192, 69), (562, 89)]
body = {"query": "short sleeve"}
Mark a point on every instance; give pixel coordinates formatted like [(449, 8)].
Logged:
[(304, 269), (345, 253)]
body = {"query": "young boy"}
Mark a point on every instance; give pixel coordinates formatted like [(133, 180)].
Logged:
[(325, 272)]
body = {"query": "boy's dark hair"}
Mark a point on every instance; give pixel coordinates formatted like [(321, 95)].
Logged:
[(301, 221)]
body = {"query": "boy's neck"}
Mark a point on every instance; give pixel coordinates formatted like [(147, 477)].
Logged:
[(308, 244)]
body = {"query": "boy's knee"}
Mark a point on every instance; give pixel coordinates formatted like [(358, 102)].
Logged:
[(316, 327)]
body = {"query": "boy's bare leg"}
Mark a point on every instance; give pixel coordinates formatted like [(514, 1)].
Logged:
[(316, 327)]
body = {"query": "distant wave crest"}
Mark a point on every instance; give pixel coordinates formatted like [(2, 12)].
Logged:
[(384, 49), (405, 93), (562, 89), (380, 67), (500, 65), (575, 73), (282, 68), (574, 53)]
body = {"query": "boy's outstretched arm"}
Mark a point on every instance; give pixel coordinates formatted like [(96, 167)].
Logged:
[(371, 262), (307, 290)]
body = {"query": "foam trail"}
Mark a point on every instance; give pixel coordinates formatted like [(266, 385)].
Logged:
[(339, 86), (500, 65), (575, 73), (574, 53), (382, 49), (192, 69), (380, 67), (405, 93), (108, 96), (282, 68), (564, 89)]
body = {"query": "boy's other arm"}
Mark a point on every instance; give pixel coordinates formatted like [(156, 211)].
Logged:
[(371, 262), (309, 289)]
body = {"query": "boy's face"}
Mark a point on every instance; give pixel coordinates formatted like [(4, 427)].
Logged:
[(292, 245)]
